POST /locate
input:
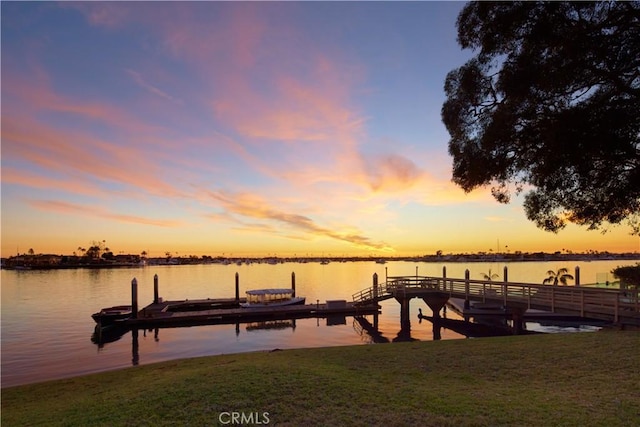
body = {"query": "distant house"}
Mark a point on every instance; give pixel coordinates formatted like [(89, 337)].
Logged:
[(33, 261)]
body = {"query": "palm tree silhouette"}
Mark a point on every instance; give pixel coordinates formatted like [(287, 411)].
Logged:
[(489, 276), (562, 275)]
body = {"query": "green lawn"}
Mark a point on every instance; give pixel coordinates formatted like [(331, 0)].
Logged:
[(543, 380)]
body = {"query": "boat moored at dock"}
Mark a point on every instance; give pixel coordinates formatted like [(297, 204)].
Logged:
[(260, 305), (111, 315), (272, 297)]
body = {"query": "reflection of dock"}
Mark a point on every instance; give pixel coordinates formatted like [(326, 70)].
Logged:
[(478, 310), (362, 326), (272, 325), (469, 329), (105, 335)]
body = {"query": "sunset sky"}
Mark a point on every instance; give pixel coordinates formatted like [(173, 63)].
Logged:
[(243, 129)]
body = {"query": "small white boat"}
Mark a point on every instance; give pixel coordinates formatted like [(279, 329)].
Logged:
[(259, 298)]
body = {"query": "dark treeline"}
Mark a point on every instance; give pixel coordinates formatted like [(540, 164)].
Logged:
[(108, 260)]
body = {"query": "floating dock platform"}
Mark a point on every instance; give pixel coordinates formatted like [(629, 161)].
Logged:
[(166, 314), (229, 311)]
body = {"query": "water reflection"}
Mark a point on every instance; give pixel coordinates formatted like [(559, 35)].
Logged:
[(39, 307), (135, 347), (367, 331), (468, 328), (102, 336), (271, 324)]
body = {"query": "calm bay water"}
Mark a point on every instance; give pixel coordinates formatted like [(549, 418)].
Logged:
[(47, 325)]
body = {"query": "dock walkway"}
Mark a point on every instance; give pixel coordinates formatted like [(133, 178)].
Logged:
[(611, 305), (228, 311)]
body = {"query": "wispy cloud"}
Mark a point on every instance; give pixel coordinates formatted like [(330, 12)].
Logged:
[(137, 77), (252, 206), (12, 175), (92, 211), (30, 94), (81, 156)]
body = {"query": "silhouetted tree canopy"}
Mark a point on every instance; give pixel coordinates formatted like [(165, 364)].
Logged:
[(550, 103)]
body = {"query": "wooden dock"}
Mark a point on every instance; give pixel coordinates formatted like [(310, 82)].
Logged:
[(228, 311), (617, 306), (212, 311)]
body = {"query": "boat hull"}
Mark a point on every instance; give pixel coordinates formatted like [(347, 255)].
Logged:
[(112, 315), (292, 301)]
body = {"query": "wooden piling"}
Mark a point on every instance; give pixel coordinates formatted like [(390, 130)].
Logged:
[(293, 283), (405, 315), (518, 320), (375, 288), (577, 275), (237, 288), (155, 289), (134, 298), (504, 286), (466, 289), (444, 278)]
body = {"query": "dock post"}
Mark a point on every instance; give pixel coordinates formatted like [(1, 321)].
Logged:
[(293, 283), (505, 287), (518, 320), (155, 289), (375, 288), (577, 275), (405, 316), (466, 289), (444, 278), (134, 298), (237, 288)]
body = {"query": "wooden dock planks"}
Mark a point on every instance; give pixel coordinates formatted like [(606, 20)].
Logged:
[(159, 314)]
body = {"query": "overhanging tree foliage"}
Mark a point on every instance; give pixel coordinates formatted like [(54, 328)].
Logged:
[(629, 274), (550, 103)]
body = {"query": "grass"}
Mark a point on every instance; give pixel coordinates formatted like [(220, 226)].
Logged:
[(561, 380)]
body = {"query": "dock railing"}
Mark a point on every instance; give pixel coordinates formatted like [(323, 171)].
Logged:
[(582, 301)]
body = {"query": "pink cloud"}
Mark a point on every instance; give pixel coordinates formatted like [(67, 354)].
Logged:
[(252, 206), (81, 156), (11, 175), (30, 93), (259, 82), (72, 208), (311, 106), (391, 172)]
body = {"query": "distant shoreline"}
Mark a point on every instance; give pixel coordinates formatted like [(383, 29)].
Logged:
[(58, 262)]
